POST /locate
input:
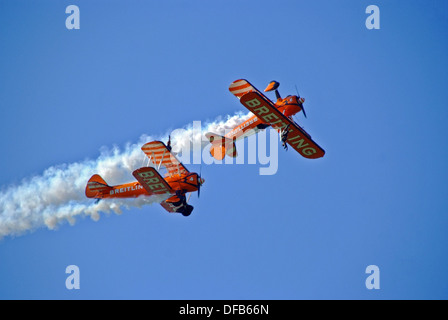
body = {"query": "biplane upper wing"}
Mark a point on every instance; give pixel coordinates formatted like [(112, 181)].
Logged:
[(240, 87), (298, 138), (152, 181), (160, 155)]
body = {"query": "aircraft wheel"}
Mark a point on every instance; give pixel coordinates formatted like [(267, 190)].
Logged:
[(187, 211)]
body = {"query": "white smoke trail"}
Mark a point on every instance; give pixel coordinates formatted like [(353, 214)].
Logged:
[(57, 196)]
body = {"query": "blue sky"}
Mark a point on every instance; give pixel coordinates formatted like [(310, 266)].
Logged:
[(376, 101)]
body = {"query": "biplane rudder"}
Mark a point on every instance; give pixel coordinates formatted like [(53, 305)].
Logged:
[(96, 187)]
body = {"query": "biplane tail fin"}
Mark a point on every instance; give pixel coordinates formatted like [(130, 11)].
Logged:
[(221, 146), (96, 187)]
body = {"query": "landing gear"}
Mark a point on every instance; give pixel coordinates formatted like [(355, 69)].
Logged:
[(284, 137), (184, 208)]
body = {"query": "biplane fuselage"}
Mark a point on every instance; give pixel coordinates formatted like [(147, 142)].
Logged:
[(266, 113), (288, 106), (135, 189), (177, 181)]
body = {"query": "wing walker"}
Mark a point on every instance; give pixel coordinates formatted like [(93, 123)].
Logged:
[(266, 113), (178, 181)]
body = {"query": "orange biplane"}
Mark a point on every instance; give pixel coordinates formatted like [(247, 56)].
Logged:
[(177, 182), (278, 115)]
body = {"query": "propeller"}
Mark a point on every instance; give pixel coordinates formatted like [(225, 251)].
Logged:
[(303, 107), (200, 181), (168, 145)]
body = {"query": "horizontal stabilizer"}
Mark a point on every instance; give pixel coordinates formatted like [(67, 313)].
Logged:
[(217, 139), (218, 152), (221, 146)]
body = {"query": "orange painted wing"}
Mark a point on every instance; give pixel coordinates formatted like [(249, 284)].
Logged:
[(266, 111), (152, 181), (168, 206), (159, 155), (240, 87)]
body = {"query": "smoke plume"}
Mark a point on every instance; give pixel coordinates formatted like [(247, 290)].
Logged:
[(57, 195)]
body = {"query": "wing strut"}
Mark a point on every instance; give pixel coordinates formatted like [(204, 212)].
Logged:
[(161, 160)]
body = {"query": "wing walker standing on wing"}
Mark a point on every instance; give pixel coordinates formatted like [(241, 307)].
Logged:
[(178, 181), (278, 115)]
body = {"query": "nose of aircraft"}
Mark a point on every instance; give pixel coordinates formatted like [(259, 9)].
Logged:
[(201, 181)]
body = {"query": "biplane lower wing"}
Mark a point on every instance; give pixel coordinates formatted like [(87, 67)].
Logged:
[(169, 206), (152, 181), (297, 138)]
